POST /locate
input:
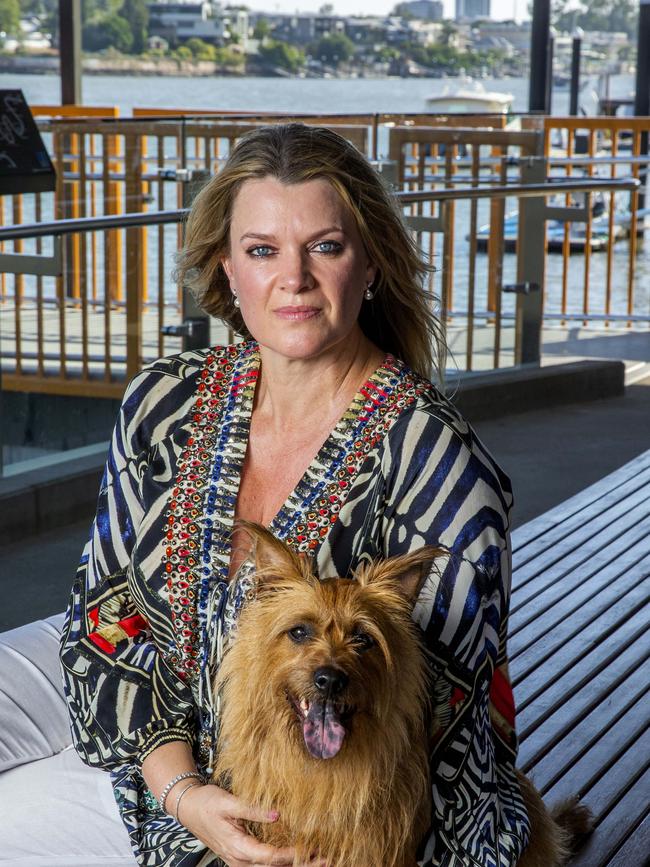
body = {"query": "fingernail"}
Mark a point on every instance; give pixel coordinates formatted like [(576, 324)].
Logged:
[(273, 816)]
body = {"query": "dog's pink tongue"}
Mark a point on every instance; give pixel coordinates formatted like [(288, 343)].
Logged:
[(322, 731)]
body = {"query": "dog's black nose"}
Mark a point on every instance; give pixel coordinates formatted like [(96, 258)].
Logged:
[(330, 681)]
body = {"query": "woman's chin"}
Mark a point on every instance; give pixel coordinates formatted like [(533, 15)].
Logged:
[(304, 346)]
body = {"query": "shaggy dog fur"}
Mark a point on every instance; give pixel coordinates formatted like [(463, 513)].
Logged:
[(324, 694)]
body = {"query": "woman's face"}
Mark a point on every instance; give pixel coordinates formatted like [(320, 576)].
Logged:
[(297, 265)]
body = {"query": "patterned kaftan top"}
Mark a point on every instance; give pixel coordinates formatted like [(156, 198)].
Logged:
[(151, 607)]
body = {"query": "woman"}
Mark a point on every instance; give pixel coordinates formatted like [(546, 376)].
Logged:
[(323, 426)]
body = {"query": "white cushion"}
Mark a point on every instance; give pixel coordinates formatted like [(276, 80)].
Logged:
[(57, 812), (33, 716)]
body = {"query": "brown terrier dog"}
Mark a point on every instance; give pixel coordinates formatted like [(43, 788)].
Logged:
[(324, 692)]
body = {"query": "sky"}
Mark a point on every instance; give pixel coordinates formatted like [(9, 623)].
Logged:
[(500, 8)]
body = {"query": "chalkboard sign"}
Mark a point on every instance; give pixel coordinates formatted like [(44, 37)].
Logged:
[(25, 165)]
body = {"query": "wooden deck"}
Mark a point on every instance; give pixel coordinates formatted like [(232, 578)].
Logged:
[(579, 648)]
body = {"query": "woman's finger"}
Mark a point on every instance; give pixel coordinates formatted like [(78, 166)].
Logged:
[(250, 850), (240, 810)]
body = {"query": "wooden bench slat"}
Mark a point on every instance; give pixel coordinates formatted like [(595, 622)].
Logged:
[(636, 847), (567, 565), (601, 734), (561, 513), (539, 737), (562, 650), (616, 812), (578, 514), (565, 554), (579, 640), (589, 608)]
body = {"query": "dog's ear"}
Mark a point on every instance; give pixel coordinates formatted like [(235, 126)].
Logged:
[(407, 571), (273, 559)]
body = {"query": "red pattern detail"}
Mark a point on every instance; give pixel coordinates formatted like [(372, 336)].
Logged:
[(457, 697), (130, 626), (102, 643), (502, 698)]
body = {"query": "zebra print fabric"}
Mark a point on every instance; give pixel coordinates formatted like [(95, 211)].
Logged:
[(151, 609)]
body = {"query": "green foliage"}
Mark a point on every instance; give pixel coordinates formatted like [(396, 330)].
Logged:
[(227, 57), (333, 49), (277, 53), (9, 16), (135, 12), (608, 15), (183, 53), (110, 31), (200, 49), (261, 29)]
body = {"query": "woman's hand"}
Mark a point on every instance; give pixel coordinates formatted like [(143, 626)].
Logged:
[(215, 817)]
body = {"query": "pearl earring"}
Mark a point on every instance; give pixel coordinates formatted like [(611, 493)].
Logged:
[(235, 299), (369, 294)]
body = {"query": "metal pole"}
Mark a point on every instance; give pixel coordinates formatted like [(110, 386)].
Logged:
[(642, 96), (539, 39), (70, 51), (576, 46), (549, 74), (642, 92)]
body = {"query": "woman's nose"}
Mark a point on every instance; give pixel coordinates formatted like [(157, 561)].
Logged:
[(295, 274)]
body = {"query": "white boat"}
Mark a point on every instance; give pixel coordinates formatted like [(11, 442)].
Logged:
[(470, 97)]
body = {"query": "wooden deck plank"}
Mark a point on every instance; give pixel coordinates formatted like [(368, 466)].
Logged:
[(611, 630), (636, 848), (579, 638), (599, 668), (573, 553), (528, 533), (617, 812), (540, 733), (586, 747), (565, 550)]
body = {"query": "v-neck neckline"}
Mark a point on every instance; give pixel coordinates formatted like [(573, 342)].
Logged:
[(331, 446)]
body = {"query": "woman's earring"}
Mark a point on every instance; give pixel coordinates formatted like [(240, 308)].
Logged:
[(369, 294), (235, 299)]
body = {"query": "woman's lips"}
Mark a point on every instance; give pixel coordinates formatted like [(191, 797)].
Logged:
[(297, 314)]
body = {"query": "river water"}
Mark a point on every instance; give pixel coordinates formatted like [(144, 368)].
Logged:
[(318, 95)]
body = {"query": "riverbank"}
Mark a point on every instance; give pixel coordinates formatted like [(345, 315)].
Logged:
[(32, 64)]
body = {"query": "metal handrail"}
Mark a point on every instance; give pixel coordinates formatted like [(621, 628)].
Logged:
[(156, 218)]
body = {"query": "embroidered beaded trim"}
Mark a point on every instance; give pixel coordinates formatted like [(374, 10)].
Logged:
[(196, 537)]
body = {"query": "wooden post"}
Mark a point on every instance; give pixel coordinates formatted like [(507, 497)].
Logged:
[(70, 51)]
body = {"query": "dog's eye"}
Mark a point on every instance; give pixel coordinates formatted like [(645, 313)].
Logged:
[(300, 633), (362, 641)]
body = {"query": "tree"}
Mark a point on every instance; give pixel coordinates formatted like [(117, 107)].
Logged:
[(261, 29), (201, 50), (111, 31), (9, 16), (283, 55), (618, 16), (135, 12), (333, 49)]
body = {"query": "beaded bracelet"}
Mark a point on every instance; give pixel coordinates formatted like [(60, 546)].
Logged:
[(178, 799), (170, 785)]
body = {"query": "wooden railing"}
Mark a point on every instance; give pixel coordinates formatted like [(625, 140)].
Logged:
[(71, 333)]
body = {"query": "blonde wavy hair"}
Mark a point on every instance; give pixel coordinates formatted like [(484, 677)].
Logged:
[(400, 319)]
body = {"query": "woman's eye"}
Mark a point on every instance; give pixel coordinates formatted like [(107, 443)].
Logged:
[(260, 252), (299, 633), (328, 247), (362, 641)]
